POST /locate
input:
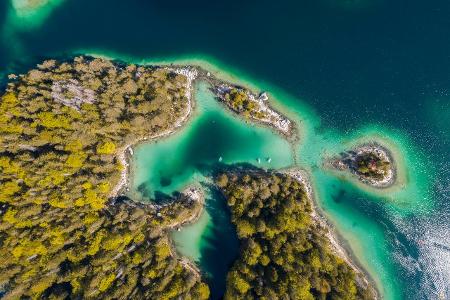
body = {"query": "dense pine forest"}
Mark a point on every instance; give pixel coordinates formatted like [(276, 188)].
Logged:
[(62, 126), (66, 232), (284, 253)]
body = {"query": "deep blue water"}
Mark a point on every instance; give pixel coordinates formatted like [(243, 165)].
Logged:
[(354, 61), (358, 56)]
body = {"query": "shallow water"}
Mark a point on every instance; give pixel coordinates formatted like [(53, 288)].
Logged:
[(212, 133), (357, 212), (188, 156), (345, 69)]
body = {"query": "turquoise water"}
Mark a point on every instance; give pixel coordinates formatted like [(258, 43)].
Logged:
[(345, 70), (168, 165), (188, 156), (212, 133)]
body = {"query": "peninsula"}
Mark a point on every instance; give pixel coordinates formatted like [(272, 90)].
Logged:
[(245, 103), (66, 131), (64, 127), (285, 248)]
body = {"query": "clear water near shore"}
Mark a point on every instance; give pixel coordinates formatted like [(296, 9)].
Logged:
[(349, 77), (188, 155), (214, 132), (26, 13)]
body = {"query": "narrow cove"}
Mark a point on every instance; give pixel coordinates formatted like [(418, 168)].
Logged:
[(395, 236), (213, 133), (166, 166)]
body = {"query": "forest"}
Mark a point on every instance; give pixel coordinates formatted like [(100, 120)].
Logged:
[(66, 233), (63, 233), (239, 101), (371, 165), (284, 251)]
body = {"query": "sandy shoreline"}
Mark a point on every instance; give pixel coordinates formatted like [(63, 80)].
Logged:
[(125, 153), (194, 73), (195, 193), (362, 276), (283, 126)]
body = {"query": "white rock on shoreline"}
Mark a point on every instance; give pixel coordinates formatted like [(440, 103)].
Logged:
[(302, 178), (191, 74), (271, 117), (383, 155), (338, 249), (193, 193)]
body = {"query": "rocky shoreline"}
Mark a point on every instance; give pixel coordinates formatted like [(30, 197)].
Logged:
[(362, 277), (193, 193), (268, 116), (348, 161), (264, 113), (124, 154), (273, 119)]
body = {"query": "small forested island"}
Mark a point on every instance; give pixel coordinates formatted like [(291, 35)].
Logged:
[(372, 164), (284, 247), (245, 103), (67, 231)]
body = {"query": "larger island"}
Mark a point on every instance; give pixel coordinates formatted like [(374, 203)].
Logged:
[(66, 230)]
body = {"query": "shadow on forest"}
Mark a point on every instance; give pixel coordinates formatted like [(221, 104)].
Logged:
[(219, 243)]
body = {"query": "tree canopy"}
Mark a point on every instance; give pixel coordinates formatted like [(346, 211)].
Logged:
[(62, 233), (284, 252)]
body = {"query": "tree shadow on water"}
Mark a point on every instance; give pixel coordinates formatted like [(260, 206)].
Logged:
[(220, 246)]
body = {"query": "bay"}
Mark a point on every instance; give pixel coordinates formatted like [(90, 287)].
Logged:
[(344, 69)]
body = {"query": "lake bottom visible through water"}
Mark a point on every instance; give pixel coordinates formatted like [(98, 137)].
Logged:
[(378, 90), (215, 134)]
